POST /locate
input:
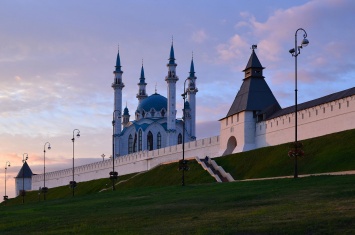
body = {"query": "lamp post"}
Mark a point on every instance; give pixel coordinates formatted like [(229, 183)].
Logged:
[(73, 183), (6, 166), (23, 193), (296, 151), (113, 173), (44, 188), (183, 163)]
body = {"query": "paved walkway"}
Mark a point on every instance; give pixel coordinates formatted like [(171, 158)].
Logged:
[(301, 176)]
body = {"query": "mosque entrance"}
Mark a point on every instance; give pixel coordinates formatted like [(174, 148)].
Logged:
[(231, 144)]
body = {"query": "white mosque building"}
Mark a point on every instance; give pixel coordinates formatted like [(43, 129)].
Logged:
[(254, 120), (155, 125)]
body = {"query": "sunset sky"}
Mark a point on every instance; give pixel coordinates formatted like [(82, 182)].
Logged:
[(57, 58)]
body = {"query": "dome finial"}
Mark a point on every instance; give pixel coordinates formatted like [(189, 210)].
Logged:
[(156, 88)]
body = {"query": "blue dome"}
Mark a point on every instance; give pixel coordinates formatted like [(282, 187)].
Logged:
[(154, 101)]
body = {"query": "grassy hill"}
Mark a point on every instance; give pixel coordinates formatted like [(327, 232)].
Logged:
[(329, 153), (313, 205), (163, 175), (154, 202)]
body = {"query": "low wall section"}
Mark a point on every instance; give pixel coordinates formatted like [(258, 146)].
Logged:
[(131, 163)]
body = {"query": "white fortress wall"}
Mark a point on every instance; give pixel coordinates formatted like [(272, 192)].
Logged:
[(327, 118), (131, 163)]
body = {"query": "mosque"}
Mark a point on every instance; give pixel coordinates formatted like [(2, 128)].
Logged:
[(155, 124)]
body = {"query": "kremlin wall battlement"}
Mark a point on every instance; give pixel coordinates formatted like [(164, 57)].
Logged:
[(131, 163)]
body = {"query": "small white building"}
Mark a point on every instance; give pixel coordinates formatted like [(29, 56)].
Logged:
[(23, 180)]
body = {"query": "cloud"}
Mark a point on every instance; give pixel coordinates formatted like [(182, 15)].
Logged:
[(199, 36)]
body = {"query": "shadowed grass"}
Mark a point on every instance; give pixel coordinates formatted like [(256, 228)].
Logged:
[(313, 205)]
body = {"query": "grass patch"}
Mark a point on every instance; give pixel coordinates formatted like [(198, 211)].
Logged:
[(329, 153), (313, 205)]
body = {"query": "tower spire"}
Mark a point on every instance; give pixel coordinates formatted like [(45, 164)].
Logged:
[(118, 61), (192, 67), (141, 95), (172, 56)]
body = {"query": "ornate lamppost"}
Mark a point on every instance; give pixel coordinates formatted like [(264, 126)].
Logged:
[(6, 166), (23, 192), (73, 183), (113, 173), (44, 188), (296, 150), (183, 163)]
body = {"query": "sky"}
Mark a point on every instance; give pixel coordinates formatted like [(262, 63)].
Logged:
[(57, 59)]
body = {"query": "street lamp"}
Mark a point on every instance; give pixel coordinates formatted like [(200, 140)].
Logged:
[(44, 188), (103, 157), (6, 166), (73, 183), (183, 163), (113, 173), (23, 193), (296, 148)]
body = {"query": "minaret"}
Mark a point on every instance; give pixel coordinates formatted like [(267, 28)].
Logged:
[(141, 95), (171, 80), (191, 92), (117, 86)]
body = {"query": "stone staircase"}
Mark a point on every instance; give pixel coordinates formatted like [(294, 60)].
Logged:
[(215, 171)]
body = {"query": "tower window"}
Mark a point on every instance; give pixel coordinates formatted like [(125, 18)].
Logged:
[(158, 140), (331, 108), (339, 105), (150, 141), (140, 140), (323, 110), (130, 144), (238, 117), (162, 112), (316, 112), (347, 103), (179, 138)]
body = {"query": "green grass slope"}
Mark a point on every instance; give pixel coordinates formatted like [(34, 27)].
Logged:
[(163, 175), (313, 205), (329, 153)]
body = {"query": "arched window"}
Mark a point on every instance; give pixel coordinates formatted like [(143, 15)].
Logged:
[(150, 141), (130, 144), (158, 140), (179, 138), (135, 143), (140, 140), (162, 112)]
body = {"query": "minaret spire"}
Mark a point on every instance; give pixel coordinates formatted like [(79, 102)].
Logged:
[(172, 56), (142, 94), (118, 61)]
